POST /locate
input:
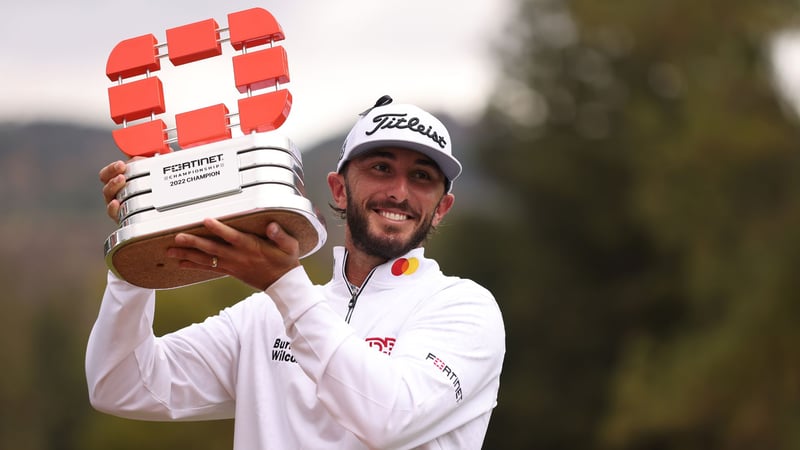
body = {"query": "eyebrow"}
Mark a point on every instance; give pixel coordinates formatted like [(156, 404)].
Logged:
[(389, 155)]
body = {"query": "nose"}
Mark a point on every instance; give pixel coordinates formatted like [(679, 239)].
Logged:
[(397, 188)]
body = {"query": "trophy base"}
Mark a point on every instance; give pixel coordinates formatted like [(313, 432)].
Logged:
[(143, 261)]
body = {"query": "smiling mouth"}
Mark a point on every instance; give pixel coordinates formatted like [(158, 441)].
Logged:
[(393, 215)]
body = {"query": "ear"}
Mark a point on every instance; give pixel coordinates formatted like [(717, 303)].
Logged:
[(338, 192), (443, 207)]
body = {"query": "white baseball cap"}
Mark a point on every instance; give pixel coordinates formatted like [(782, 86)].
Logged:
[(400, 125)]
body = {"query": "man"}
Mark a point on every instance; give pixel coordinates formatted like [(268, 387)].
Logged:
[(390, 353)]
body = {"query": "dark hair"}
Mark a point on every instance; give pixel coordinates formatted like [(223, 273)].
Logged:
[(338, 212)]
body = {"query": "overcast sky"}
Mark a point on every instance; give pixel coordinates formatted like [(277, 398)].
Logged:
[(343, 55)]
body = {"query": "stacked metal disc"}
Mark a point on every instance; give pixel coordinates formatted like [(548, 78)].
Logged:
[(271, 188)]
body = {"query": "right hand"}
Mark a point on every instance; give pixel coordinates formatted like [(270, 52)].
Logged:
[(256, 259), (113, 178)]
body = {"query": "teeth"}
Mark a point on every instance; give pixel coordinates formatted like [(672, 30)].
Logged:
[(393, 216)]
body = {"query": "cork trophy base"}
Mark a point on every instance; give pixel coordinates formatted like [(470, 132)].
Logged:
[(143, 261)]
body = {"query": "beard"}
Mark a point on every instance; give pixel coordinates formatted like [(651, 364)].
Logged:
[(387, 245)]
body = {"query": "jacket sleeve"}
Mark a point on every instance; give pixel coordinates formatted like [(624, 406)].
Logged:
[(442, 373), (188, 374)]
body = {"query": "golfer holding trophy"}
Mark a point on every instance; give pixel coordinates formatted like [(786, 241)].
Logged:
[(391, 353)]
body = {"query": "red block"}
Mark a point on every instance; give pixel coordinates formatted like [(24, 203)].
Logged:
[(202, 126), (133, 57), (260, 69), (251, 27), (144, 139), (193, 42), (265, 112), (136, 100)]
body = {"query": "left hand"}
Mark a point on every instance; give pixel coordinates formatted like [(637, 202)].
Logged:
[(257, 261)]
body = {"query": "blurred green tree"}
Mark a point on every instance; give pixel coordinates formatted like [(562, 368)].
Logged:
[(645, 259)]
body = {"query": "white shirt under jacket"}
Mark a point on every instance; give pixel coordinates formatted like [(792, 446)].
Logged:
[(417, 366)]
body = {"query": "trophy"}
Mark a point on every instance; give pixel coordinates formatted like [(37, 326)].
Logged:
[(246, 181)]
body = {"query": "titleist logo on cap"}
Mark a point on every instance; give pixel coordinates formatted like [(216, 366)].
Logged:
[(401, 122)]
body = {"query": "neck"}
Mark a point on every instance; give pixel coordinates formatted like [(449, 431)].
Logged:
[(358, 265)]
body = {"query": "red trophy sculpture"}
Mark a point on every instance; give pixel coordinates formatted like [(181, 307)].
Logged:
[(246, 181)]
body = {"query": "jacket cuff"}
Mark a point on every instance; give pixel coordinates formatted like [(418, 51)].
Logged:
[(293, 294)]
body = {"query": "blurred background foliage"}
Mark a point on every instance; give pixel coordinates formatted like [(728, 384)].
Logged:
[(641, 239), (647, 267)]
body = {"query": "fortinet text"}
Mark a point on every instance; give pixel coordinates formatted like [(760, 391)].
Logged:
[(449, 373), (193, 163)]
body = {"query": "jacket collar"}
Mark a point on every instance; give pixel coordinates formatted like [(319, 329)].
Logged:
[(407, 269)]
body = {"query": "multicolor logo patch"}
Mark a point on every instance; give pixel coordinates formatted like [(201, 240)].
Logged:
[(405, 266)]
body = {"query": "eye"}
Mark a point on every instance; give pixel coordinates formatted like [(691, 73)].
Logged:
[(422, 175), (381, 167)]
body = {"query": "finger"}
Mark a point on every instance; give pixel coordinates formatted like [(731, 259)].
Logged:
[(283, 240), (229, 234), (194, 259), (207, 266), (112, 210), (189, 242), (110, 171), (112, 176), (112, 187)]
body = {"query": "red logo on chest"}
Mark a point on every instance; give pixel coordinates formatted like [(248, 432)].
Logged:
[(383, 345)]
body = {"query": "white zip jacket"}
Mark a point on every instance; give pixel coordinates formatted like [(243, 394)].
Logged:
[(417, 366)]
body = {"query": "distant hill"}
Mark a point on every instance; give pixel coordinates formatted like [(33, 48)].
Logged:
[(52, 167)]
